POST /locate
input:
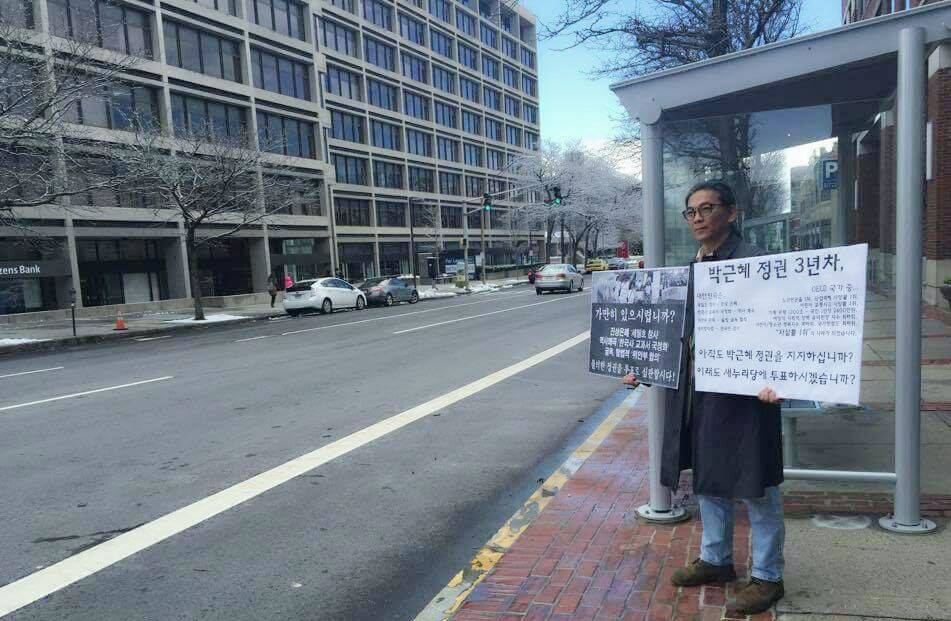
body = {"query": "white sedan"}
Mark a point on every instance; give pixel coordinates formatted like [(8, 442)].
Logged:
[(323, 294)]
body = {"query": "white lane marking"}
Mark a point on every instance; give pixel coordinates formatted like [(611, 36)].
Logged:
[(351, 323), (58, 576), (255, 338), (504, 310), (153, 338), (81, 394), (30, 372)]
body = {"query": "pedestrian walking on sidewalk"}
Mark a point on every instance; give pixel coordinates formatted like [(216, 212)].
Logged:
[(733, 443), (272, 288), (288, 282)]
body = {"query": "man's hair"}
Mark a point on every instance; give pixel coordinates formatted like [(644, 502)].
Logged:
[(723, 191)]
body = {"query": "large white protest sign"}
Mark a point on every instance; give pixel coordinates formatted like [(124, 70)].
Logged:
[(791, 322)]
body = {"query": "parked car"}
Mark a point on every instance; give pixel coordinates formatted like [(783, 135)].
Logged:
[(560, 277), (595, 265), (617, 263), (635, 263), (388, 290), (323, 294)]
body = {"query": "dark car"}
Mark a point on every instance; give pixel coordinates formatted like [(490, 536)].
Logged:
[(389, 290)]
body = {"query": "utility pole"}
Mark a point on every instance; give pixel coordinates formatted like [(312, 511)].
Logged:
[(482, 249), (412, 246)]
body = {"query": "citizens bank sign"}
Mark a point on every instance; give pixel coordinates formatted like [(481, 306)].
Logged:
[(33, 269)]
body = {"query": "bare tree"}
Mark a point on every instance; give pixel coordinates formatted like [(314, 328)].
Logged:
[(212, 182), (45, 82)]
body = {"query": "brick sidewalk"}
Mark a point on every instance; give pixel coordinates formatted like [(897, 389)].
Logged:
[(586, 556)]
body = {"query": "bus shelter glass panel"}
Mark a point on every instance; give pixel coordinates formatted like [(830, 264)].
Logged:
[(808, 178)]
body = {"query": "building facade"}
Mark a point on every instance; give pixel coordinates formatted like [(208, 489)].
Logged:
[(384, 105), (876, 166)]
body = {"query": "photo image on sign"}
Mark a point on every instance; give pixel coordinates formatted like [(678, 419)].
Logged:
[(637, 323), (644, 286)]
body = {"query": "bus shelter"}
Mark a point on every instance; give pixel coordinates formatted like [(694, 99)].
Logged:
[(827, 140)]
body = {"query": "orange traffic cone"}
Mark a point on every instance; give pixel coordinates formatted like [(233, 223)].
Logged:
[(120, 323)]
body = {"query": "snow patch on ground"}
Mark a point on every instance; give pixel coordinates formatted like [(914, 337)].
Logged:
[(432, 294), (478, 287), (208, 319), (12, 342)]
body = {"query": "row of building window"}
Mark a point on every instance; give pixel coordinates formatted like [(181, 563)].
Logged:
[(356, 212), (397, 176), (380, 13), (344, 39)]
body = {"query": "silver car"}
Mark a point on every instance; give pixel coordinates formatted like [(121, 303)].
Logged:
[(559, 277), (388, 290)]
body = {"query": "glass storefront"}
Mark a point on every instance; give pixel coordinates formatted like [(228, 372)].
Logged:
[(34, 275), (394, 258), (224, 267), (301, 258), (121, 271), (356, 261)]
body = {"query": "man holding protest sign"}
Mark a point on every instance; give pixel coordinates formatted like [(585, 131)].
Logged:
[(733, 443)]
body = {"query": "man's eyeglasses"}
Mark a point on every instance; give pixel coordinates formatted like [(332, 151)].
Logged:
[(704, 209)]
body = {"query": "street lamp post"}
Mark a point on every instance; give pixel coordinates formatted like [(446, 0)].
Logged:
[(482, 248), (412, 246)]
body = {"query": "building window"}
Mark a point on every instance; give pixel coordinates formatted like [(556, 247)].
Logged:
[(510, 48), (448, 149), (469, 89), (419, 143), (379, 54), (513, 107), (489, 35), (351, 211), (347, 127), (118, 106), (382, 95), (421, 179), (280, 75), (531, 141), (416, 105), (493, 129), (475, 186), (387, 175), (444, 80), (468, 57), (493, 98), (18, 13), (389, 213), (412, 29), (494, 159), (351, 170), (225, 6), (513, 135), (466, 23), (346, 5), (529, 86), (282, 16), (450, 183), (385, 135), (530, 113), (297, 197), (110, 26), (472, 154), (441, 44), (451, 217), (508, 21), (191, 114), (284, 135), (528, 58), (490, 67), (510, 76), (415, 68), (339, 38), (378, 13), (471, 123), (440, 10), (499, 219), (445, 114), (343, 83)]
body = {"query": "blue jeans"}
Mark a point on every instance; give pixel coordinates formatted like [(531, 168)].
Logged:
[(766, 525)]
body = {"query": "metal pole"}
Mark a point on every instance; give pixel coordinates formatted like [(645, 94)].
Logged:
[(660, 508), (412, 246), (910, 199), (482, 249), (465, 246)]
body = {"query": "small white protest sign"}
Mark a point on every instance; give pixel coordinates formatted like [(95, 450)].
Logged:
[(791, 322)]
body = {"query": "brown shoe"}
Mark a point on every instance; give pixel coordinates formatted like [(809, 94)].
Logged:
[(699, 572), (756, 596)]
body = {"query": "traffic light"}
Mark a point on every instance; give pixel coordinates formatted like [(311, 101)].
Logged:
[(487, 201), (557, 191)]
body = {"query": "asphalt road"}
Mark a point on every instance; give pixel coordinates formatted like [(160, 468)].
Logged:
[(372, 532)]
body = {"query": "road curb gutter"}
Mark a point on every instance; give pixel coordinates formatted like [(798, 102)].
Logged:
[(452, 596)]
